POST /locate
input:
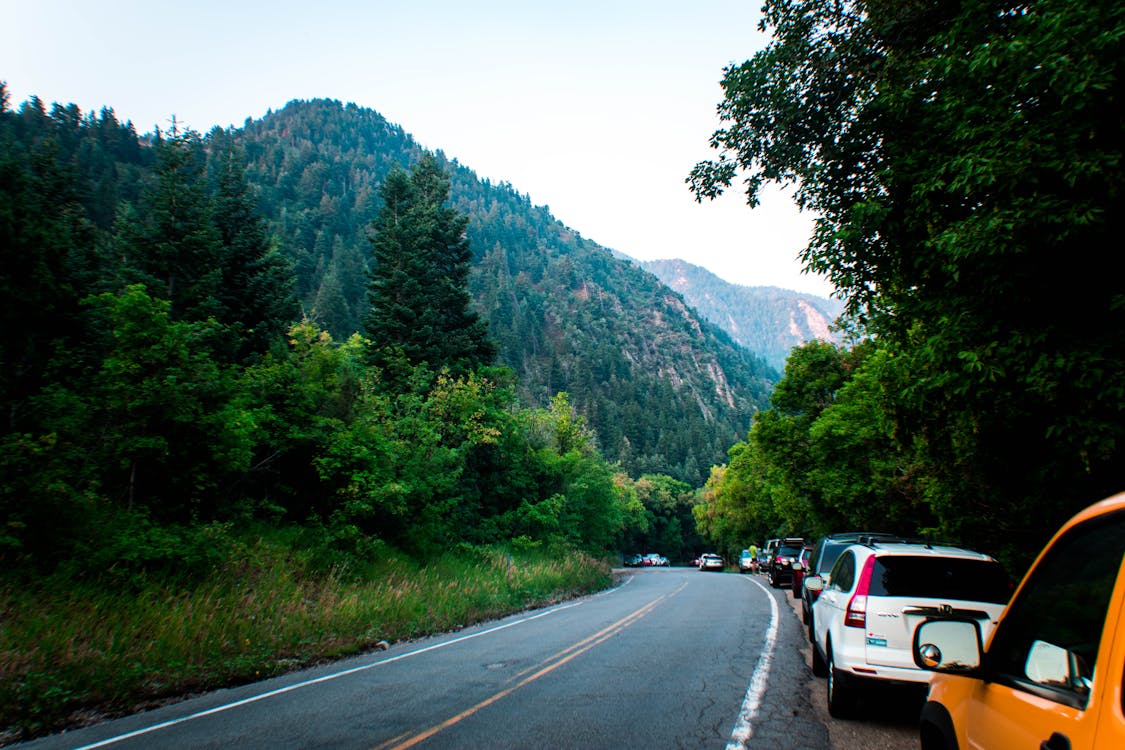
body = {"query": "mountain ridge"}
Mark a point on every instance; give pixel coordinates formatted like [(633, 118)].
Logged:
[(767, 320)]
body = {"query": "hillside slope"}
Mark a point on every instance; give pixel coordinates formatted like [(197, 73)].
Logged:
[(767, 320), (665, 390)]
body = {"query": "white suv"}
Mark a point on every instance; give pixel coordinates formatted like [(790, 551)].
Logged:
[(874, 598)]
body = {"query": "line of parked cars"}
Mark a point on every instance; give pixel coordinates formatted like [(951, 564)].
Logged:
[(1041, 665), (648, 560)]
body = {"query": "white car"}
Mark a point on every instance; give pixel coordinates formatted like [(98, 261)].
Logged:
[(878, 593), (711, 562)]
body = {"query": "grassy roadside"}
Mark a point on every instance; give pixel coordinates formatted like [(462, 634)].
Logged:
[(73, 653)]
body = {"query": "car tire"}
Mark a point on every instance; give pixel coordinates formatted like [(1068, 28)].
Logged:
[(841, 696), (819, 667), (935, 728), (771, 579), (796, 593)]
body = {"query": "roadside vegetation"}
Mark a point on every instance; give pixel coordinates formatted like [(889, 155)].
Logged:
[(271, 600), (964, 162)]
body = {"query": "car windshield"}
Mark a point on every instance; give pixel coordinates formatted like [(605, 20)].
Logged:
[(940, 578), (788, 551)]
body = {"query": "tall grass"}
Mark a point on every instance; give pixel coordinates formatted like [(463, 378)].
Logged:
[(74, 652)]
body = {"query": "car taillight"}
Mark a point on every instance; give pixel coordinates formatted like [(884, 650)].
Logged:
[(856, 614)]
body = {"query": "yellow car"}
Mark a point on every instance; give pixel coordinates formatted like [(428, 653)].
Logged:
[(1051, 676)]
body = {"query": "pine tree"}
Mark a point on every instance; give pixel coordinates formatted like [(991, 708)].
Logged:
[(418, 288), (176, 250), (257, 290)]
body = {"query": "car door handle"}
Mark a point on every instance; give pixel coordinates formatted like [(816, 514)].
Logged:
[(1057, 741)]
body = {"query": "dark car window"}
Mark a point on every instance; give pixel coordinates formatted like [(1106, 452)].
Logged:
[(828, 554), (843, 572), (940, 578), (787, 551), (1060, 613)]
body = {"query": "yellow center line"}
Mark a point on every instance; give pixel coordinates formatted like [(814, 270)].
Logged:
[(541, 669)]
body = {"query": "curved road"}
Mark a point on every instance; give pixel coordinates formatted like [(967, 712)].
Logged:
[(671, 658)]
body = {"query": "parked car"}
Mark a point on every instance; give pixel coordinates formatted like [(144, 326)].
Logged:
[(780, 572), (633, 561), (763, 560), (1052, 674), (799, 567), (877, 594), (747, 563), (711, 562), (653, 559), (821, 560)]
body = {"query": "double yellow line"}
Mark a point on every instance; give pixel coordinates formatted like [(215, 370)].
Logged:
[(530, 675)]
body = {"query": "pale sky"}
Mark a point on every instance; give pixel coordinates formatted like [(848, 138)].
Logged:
[(596, 108)]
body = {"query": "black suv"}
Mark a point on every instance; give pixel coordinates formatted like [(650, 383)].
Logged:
[(780, 570), (823, 556)]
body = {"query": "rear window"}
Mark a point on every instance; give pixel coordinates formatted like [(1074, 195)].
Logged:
[(940, 578), (786, 551)]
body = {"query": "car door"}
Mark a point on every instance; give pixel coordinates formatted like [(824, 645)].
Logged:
[(1054, 669), (829, 606)]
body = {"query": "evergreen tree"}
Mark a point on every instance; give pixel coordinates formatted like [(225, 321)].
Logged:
[(175, 250), (420, 303), (257, 289)]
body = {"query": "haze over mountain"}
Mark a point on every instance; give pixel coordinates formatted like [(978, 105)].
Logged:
[(767, 320)]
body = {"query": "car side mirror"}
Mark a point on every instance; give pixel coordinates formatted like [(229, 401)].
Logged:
[(952, 646), (814, 583)]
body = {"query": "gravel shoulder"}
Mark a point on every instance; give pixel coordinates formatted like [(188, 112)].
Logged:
[(888, 721)]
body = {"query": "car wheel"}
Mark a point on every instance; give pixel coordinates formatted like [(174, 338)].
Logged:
[(805, 614), (771, 579), (796, 593), (841, 697), (819, 668), (935, 729)]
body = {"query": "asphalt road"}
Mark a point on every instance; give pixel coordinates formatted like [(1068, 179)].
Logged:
[(671, 658)]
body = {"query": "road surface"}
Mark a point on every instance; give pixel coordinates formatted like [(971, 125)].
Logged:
[(670, 658)]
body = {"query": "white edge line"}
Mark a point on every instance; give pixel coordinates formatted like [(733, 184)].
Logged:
[(323, 678), (752, 703)]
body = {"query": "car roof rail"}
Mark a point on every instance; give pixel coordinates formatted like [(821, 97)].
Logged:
[(871, 540)]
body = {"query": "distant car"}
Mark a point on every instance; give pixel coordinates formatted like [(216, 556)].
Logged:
[(877, 594), (652, 560), (780, 570), (1051, 676), (747, 563), (633, 561), (799, 567), (711, 562)]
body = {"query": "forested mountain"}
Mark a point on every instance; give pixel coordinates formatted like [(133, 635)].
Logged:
[(664, 390), (767, 320)]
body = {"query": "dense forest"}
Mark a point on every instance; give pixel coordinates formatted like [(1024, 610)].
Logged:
[(965, 162), (168, 375), (664, 390)]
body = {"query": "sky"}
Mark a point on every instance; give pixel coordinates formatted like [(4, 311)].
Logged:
[(597, 109)]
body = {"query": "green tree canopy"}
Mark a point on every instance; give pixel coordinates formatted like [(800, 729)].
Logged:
[(965, 163), (420, 303)]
